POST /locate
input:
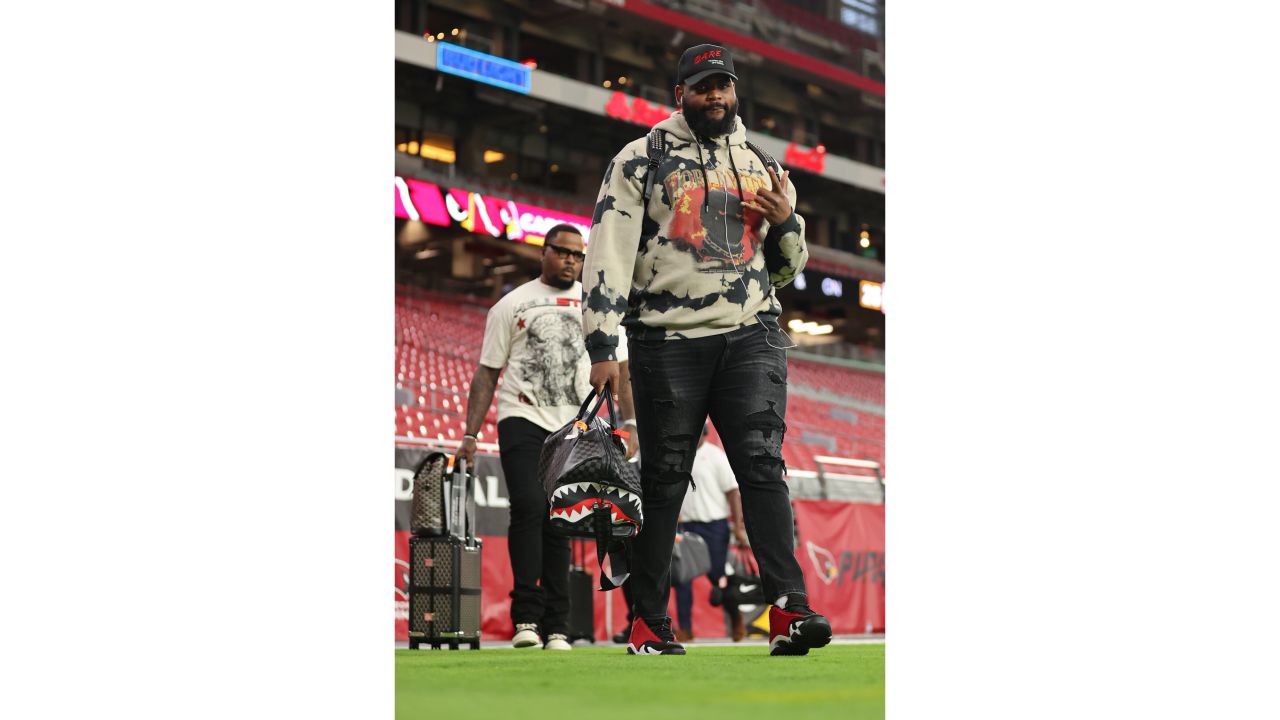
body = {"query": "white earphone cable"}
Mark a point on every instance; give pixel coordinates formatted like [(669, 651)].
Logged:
[(733, 257)]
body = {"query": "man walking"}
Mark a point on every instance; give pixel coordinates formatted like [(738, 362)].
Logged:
[(535, 332), (690, 272)]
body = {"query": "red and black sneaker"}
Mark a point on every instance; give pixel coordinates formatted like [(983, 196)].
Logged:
[(796, 630), (655, 639)]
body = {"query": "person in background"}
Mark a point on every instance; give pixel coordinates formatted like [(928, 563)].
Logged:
[(712, 500), (535, 333)]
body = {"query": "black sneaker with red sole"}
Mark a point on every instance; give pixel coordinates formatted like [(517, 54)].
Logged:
[(796, 630), (653, 640)]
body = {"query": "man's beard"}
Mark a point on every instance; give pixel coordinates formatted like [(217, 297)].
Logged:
[(706, 127), (556, 281)]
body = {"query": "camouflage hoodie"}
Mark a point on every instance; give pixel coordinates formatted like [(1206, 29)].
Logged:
[(688, 265)]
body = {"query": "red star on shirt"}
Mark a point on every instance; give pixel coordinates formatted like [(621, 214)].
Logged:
[(520, 324)]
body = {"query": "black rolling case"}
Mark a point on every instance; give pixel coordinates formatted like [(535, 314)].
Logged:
[(581, 595), (444, 574)]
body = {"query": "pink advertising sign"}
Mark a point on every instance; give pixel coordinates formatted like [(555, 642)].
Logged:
[(496, 217)]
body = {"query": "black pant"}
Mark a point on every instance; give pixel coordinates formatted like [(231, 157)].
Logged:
[(537, 552), (742, 382), (716, 533)]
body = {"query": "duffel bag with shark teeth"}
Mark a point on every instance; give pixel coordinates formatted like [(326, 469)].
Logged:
[(592, 490)]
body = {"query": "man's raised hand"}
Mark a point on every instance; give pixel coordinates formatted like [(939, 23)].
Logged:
[(772, 203)]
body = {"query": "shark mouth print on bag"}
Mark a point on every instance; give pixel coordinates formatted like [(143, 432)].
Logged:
[(592, 491), (570, 504)]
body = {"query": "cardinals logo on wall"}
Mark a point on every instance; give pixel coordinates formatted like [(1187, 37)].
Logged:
[(824, 563)]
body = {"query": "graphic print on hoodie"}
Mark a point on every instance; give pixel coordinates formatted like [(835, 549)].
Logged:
[(691, 263)]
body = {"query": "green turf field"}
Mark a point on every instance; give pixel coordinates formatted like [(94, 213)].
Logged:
[(845, 681)]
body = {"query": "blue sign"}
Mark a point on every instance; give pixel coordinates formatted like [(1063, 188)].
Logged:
[(483, 67)]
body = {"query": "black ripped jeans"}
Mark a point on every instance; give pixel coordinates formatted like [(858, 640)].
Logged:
[(741, 382)]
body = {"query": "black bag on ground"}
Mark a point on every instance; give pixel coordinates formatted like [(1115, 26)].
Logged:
[(690, 558), (444, 575), (592, 490), (426, 512)]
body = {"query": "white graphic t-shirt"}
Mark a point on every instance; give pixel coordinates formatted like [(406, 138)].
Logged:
[(535, 331)]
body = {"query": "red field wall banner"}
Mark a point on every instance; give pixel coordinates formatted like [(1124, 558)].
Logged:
[(495, 584), (495, 603), (402, 585), (841, 548)]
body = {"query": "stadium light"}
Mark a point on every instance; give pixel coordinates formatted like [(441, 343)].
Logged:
[(802, 326), (810, 327), (431, 151)]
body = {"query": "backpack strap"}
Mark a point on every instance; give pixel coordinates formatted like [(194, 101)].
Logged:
[(657, 147), (765, 157)]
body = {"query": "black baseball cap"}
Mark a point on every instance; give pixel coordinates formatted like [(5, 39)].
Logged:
[(701, 61)]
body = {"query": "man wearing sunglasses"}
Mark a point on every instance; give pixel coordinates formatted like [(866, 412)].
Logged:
[(685, 259), (535, 333)]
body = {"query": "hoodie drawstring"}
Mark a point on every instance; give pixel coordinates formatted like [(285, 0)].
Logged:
[(737, 179), (706, 184)]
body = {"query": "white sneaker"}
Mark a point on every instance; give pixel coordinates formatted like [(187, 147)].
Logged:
[(526, 636), (557, 641)]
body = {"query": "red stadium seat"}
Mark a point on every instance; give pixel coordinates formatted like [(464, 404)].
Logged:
[(438, 347)]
